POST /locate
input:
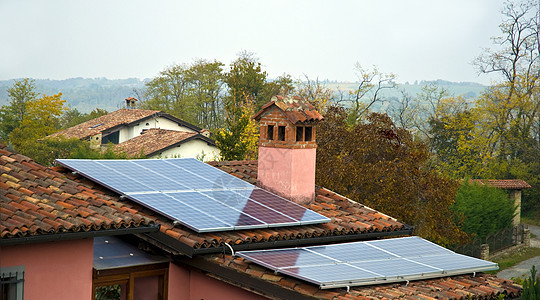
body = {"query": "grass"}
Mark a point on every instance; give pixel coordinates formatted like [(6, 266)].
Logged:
[(530, 221), (511, 260)]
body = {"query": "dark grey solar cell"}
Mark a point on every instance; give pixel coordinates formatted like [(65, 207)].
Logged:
[(410, 246), (396, 267), (106, 176), (448, 262), (220, 211), (327, 274), (218, 178), (150, 176), (291, 209), (350, 252), (360, 263), (177, 210), (240, 200), (286, 258)]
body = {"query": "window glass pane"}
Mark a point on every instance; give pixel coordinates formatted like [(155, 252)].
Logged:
[(112, 292), (270, 134), (299, 133), (308, 134), (281, 133)]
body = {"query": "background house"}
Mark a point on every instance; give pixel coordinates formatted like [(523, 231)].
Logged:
[(123, 125)]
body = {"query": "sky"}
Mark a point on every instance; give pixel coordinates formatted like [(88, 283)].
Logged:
[(414, 39)]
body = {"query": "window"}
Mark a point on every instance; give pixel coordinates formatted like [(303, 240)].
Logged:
[(299, 133), (308, 134), (112, 138), (12, 283), (270, 132), (281, 133)]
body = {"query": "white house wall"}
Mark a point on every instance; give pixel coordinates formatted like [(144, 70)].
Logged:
[(130, 132), (193, 148)]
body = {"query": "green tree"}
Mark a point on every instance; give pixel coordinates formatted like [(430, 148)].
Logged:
[(382, 166), (73, 117), (169, 92), (246, 80), (11, 115), (42, 117), (238, 140), (482, 209), (205, 88)]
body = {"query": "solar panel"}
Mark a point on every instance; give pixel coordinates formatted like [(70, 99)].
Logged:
[(370, 262), (195, 194)]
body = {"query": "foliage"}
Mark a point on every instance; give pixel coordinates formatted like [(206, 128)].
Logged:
[(246, 80), (42, 117), (190, 92), (74, 117), (482, 209), (238, 141), (315, 93), (11, 116), (381, 166), (531, 286)]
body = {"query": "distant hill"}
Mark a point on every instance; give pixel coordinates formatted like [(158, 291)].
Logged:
[(86, 94)]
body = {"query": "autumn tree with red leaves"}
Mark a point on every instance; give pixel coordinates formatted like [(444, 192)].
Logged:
[(381, 166)]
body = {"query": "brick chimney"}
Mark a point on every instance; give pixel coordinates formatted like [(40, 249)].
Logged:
[(287, 148), (131, 102)]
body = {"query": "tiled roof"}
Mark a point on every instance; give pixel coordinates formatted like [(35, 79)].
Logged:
[(471, 286), (296, 109), (349, 219), (37, 201), (100, 124), (505, 184), (153, 140)]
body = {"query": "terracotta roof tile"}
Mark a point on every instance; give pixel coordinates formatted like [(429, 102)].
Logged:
[(505, 184), (120, 117), (295, 109), (44, 204), (153, 140)]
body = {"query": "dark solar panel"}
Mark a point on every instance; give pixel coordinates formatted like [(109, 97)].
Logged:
[(197, 195), (371, 262)]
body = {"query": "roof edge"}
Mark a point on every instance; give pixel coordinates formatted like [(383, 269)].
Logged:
[(54, 237)]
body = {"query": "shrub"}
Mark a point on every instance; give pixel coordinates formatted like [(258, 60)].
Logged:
[(482, 209)]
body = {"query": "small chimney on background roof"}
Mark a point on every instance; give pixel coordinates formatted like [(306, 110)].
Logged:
[(131, 102), (287, 148)]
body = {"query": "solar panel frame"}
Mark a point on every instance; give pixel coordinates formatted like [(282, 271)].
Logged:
[(139, 180), (378, 267)]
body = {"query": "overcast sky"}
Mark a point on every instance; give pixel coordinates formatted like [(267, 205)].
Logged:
[(415, 39)]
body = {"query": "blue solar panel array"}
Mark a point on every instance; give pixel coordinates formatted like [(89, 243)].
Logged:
[(371, 262), (195, 194)]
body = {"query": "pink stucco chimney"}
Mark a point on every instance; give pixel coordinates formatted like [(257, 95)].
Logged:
[(287, 148)]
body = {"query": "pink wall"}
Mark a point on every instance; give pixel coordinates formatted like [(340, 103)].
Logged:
[(53, 270), (288, 172), (186, 284)]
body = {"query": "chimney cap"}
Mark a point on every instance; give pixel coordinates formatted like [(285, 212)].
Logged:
[(296, 109)]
